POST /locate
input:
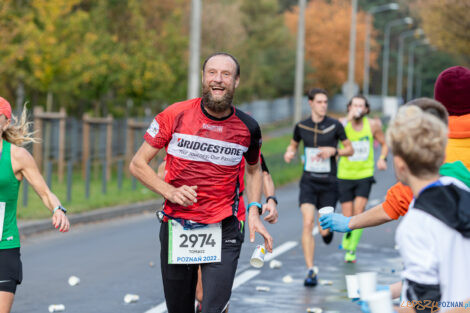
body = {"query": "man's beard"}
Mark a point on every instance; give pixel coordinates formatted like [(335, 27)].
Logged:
[(358, 118), (220, 105)]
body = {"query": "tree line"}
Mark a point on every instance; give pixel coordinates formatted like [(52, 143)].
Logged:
[(131, 56)]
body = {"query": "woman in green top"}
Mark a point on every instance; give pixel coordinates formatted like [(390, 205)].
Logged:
[(17, 163)]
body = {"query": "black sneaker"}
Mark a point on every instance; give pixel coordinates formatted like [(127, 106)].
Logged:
[(311, 280), (328, 238)]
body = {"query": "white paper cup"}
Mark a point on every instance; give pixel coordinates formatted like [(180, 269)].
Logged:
[(326, 210), (74, 280), (257, 259), (380, 302), (352, 285), (367, 284)]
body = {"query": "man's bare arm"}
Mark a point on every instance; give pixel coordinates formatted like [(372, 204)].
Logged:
[(254, 182), (140, 168), (291, 151)]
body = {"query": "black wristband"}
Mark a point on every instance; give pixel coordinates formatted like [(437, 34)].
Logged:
[(336, 152), (273, 198)]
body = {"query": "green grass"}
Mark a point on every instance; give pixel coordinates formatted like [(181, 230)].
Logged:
[(273, 150), (79, 202)]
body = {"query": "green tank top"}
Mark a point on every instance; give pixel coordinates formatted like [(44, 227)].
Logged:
[(361, 163), (9, 186)]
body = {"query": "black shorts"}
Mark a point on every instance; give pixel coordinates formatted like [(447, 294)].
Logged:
[(350, 189), (320, 194), (11, 269), (179, 281)]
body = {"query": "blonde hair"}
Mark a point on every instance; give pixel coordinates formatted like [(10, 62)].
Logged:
[(18, 132), (419, 138)]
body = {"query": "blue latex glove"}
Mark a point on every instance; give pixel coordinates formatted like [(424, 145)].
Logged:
[(335, 222), (382, 287), (363, 304)]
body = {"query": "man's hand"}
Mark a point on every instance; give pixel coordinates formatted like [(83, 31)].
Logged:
[(184, 195), (326, 152), (272, 208), (381, 164), (335, 222), (255, 225), (59, 220), (289, 155)]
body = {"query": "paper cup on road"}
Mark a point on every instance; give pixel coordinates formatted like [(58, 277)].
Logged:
[(326, 210), (275, 264), (129, 298), (257, 259), (367, 284), (380, 302), (352, 285), (74, 280), (56, 308)]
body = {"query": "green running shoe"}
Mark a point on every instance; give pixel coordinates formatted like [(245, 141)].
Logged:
[(350, 256), (346, 242)]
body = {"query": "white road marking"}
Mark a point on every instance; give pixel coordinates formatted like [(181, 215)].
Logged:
[(243, 277), (161, 308), (286, 246)]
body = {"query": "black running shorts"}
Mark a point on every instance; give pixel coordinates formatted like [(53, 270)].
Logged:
[(350, 189), (320, 194), (179, 281), (11, 269)]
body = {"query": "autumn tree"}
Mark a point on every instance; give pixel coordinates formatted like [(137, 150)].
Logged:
[(447, 24), (327, 27)]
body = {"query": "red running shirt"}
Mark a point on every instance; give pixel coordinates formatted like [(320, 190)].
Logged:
[(206, 152)]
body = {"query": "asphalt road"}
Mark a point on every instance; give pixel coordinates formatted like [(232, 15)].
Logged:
[(121, 256)]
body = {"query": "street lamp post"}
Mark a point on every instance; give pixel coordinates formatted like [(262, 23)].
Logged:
[(386, 54), (401, 46), (194, 49), (352, 51), (370, 13), (299, 63), (411, 52)]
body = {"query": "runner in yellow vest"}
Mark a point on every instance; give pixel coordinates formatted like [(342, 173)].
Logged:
[(356, 173), (17, 163)]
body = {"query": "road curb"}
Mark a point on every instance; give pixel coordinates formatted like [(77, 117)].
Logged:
[(27, 228)]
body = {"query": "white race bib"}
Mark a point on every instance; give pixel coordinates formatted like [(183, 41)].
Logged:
[(361, 151), (2, 218), (194, 246), (315, 164)]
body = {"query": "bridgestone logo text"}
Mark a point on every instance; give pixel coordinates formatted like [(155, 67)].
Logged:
[(202, 149), (194, 145)]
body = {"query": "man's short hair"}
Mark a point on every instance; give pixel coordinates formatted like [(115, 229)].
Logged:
[(314, 91), (433, 107), (224, 54), (419, 138), (359, 96)]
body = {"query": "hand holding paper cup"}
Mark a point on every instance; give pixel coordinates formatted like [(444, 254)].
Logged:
[(257, 259)]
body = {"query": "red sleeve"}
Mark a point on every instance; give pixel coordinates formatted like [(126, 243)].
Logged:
[(397, 200), (159, 133)]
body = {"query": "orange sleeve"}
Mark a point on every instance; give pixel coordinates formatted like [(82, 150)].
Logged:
[(397, 200)]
